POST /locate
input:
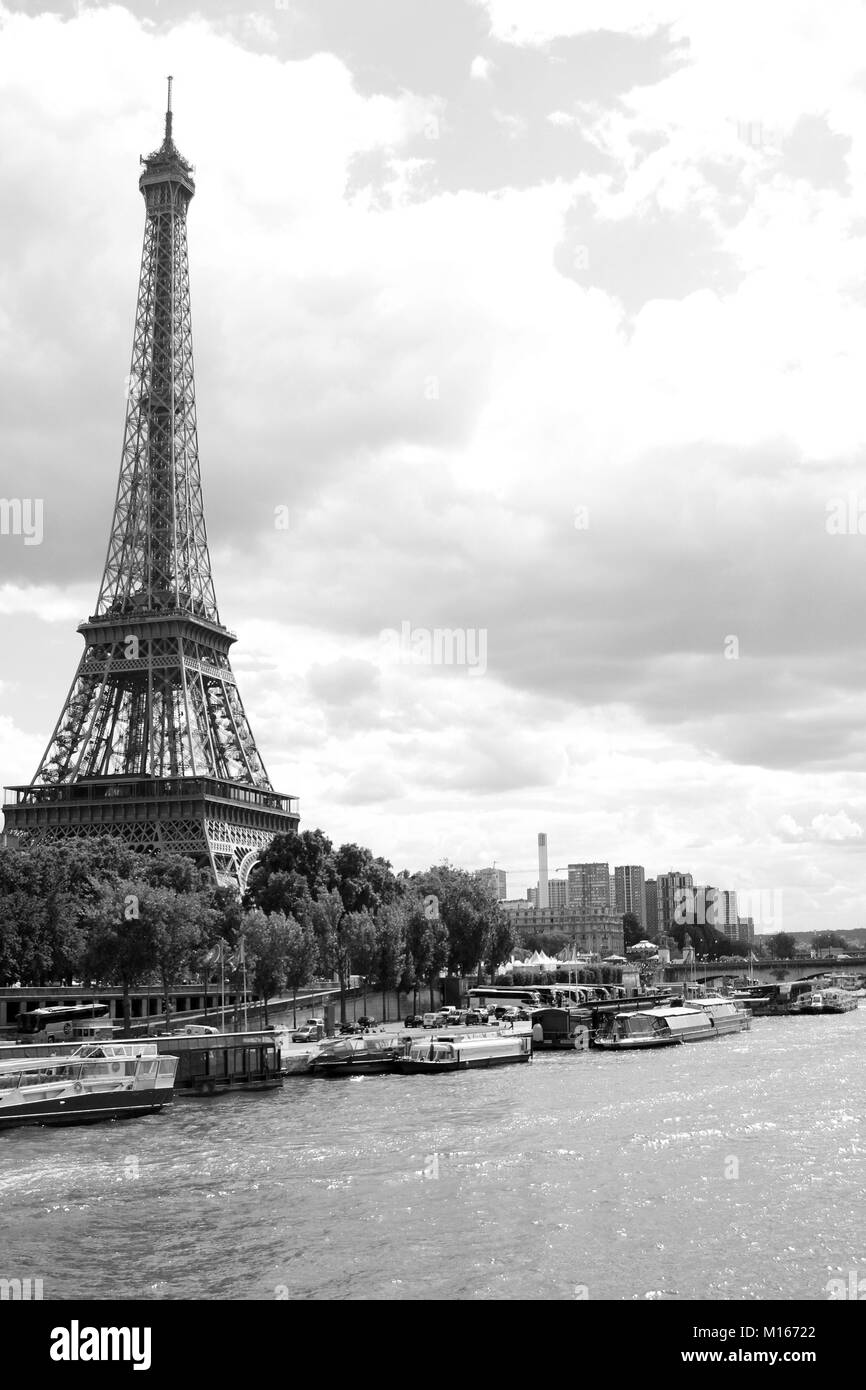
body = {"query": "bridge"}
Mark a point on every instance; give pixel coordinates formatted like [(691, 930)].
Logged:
[(768, 971)]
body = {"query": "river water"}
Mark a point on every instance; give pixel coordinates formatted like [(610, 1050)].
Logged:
[(722, 1172)]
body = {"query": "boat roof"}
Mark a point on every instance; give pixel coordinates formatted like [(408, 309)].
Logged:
[(85, 1050), (661, 1011)]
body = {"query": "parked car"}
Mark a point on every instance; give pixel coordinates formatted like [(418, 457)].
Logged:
[(431, 1021), (367, 1022), (311, 1031), (413, 1021), (473, 1018)]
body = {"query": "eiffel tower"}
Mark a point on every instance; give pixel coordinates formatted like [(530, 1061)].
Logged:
[(153, 743)]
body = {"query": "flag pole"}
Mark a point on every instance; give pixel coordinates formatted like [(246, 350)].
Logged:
[(222, 989), (245, 1020)]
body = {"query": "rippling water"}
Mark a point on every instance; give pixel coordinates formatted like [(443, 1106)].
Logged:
[(599, 1170)]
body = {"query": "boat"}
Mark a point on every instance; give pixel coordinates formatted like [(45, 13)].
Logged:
[(96, 1081), (661, 1027), (728, 1016), (213, 1063), (562, 1027), (826, 1001), (357, 1056), (770, 1000), (447, 1054)]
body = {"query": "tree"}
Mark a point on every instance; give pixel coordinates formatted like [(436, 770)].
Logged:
[(632, 931), (176, 922), (335, 936), (300, 958), (829, 940), (363, 936), (121, 947), (308, 855), (267, 942), (390, 949), (426, 940), (501, 942), (781, 946), (286, 891), (468, 909)]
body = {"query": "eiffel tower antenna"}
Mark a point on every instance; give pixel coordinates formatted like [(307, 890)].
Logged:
[(153, 743)]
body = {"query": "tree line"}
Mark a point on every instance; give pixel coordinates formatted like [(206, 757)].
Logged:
[(95, 912)]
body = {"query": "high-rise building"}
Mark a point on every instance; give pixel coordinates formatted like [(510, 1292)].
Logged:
[(727, 912), (630, 896), (589, 887), (557, 890), (652, 909), (153, 744), (705, 906), (742, 930), (670, 896), (495, 880)]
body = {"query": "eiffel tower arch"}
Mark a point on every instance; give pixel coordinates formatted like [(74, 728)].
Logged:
[(153, 743)]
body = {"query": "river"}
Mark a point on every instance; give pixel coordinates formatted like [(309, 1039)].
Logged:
[(722, 1172)]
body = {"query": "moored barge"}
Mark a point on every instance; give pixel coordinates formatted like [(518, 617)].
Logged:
[(450, 1054), (662, 1027), (356, 1056)]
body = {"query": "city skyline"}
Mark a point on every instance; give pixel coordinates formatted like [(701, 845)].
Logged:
[(432, 297)]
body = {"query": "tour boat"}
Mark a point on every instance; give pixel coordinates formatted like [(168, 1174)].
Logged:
[(356, 1056), (97, 1081), (662, 1027), (727, 1015), (770, 1000), (442, 1054), (826, 1001)]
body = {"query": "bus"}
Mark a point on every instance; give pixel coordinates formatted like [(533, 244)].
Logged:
[(508, 996), (577, 996), (65, 1023)]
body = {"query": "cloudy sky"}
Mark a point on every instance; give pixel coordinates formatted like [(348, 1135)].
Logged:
[(545, 320)]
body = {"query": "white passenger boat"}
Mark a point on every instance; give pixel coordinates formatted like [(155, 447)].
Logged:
[(97, 1081), (445, 1054), (826, 1001), (661, 1027), (728, 1016)]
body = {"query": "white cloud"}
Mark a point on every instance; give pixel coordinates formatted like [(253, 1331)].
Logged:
[(838, 826)]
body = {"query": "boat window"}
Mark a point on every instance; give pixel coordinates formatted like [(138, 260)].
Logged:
[(640, 1023)]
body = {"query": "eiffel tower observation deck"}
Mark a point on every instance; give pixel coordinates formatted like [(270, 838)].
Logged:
[(153, 743)]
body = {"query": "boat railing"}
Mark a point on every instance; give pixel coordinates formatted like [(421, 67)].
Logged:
[(117, 1069)]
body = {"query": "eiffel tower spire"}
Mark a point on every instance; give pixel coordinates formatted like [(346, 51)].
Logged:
[(153, 742)]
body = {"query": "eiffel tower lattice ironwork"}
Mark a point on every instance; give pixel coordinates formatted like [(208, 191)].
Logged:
[(153, 743)]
